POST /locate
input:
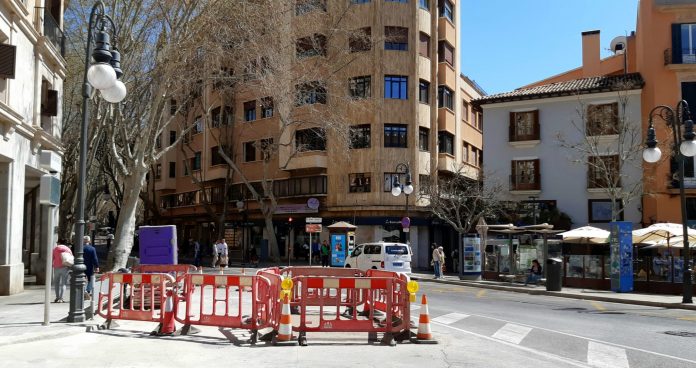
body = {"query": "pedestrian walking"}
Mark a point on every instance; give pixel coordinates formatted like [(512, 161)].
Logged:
[(196, 246), (455, 259), (221, 252), (63, 260), (443, 268), (325, 252), (437, 261), (91, 265)]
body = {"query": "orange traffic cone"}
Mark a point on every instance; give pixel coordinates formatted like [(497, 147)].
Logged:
[(424, 336), (168, 326), (284, 336)]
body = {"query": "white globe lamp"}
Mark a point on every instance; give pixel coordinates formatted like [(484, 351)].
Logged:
[(688, 148), (396, 190), (116, 93), (101, 76), (652, 155)]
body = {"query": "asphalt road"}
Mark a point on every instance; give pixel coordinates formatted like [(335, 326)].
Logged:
[(588, 333)]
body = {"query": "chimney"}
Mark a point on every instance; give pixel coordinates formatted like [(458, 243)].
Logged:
[(590, 54)]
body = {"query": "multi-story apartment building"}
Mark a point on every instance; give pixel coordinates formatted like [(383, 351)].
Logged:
[(32, 70), (421, 116)]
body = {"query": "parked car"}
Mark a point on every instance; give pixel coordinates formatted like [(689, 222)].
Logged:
[(381, 255)]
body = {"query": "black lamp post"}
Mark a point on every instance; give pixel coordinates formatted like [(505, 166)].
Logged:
[(406, 188), (102, 71), (683, 147)]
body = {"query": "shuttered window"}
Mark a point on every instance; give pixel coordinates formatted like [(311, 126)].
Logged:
[(8, 57), (445, 53), (424, 45)]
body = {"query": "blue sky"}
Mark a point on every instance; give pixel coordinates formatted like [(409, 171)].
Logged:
[(510, 43)]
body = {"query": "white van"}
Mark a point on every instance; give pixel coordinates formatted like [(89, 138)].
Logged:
[(381, 255)]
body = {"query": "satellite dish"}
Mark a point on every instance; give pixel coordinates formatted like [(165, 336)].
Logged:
[(618, 45)]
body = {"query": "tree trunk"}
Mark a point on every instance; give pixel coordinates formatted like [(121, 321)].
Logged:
[(125, 227), (272, 241)]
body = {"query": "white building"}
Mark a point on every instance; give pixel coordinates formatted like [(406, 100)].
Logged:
[(524, 152), (32, 70)]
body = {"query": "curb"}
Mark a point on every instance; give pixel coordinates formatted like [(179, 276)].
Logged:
[(560, 294), (42, 336)]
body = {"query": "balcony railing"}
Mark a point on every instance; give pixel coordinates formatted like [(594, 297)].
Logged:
[(688, 56), (519, 182), (53, 32)]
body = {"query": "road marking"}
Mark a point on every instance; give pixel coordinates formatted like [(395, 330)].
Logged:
[(606, 356), (512, 333), (520, 347), (690, 318), (590, 339), (415, 306), (481, 293), (598, 306), (449, 319)]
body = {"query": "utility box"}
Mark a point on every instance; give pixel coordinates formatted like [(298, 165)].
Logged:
[(554, 274), (158, 244)]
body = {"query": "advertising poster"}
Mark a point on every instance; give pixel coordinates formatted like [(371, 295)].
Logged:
[(338, 250), (471, 256), (621, 256)]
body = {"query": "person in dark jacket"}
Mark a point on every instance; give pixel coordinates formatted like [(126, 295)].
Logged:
[(535, 273), (91, 263)]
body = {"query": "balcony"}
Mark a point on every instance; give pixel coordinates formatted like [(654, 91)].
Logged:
[(53, 32), (522, 185)]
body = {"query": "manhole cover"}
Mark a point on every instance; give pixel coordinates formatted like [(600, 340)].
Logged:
[(681, 333)]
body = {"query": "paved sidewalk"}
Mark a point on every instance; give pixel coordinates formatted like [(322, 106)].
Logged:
[(653, 300)]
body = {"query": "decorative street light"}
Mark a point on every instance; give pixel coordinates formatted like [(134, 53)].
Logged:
[(102, 71), (407, 189), (683, 147)]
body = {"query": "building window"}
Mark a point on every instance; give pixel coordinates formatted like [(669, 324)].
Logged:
[(524, 126), (424, 184), (360, 136), (314, 45), (603, 119), (447, 10), (186, 169), (198, 125), (465, 152), (249, 151), (423, 92), (465, 111), (267, 107), (360, 40), (478, 119), (308, 6), (599, 210), (445, 97), (250, 111), (424, 4), (172, 137), (423, 139), (445, 143), (525, 175), (395, 135), (196, 161), (172, 169), (172, 107), (424, 45), (216, 157), (221, 117), (683, 44), (445, 53), (476, 158), (313, 139), (359, 183), (158, 141), (389, 179), (310, 93), (603, 172), (396, 87), (158, 171), (396, 38), (360, 87)]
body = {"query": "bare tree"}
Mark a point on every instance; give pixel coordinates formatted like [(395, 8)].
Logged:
[(610, 146), (460, 200)]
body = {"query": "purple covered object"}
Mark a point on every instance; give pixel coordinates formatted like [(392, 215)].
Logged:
[(158, 244)]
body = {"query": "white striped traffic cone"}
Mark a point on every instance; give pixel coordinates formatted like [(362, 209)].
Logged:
[(284, 336), (168, 325), (424, 335)]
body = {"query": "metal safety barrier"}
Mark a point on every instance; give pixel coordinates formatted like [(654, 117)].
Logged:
[(133, 296), (178, 271), (242, 302)]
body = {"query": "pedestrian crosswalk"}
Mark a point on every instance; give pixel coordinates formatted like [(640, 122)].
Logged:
[(584, 352)]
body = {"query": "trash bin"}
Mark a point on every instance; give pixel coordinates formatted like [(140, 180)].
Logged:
[(554, 274)]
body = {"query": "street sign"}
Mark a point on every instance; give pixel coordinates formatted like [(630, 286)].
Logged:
[(313, 228), (406, 222), (313, 220)]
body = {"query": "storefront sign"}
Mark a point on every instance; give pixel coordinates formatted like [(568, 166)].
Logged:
[(621, 248), (471, 255), (294, 208), (313, 228), (313, 220)]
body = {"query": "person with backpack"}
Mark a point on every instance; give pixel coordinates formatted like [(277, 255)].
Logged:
[(63, 261)]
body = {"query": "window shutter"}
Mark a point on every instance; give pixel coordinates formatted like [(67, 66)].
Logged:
[(50, 105), (513, 176), (8, 57), (537, 174), (676, 44), (512, 127), (537, 126)]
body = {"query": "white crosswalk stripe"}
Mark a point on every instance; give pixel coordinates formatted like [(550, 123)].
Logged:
[(415, 306), (512, 333), (450, 318), (606, 356)]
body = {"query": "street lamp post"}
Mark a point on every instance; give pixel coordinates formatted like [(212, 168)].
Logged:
[(406, 188), (534, 199), (103, 74), (683, 146)]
